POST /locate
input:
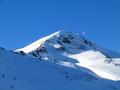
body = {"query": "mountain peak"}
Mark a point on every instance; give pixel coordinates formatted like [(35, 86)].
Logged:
[(62, 56), (65, 41), (37, 43), (59, 36)]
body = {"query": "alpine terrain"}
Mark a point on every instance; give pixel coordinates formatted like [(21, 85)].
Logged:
[(60, 61)]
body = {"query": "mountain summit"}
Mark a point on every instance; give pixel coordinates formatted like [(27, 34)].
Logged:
[(67, 41), (62, 47), (59, 37), (60, 61)]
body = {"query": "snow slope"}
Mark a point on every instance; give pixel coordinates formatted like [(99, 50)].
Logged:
[(98, 63), (76, 50), (37, 43), (60, 61), (19, 72)]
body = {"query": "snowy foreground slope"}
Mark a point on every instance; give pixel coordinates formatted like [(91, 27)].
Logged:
[(60, 61)]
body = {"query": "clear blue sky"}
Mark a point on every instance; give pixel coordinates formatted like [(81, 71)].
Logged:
[(24, 21)]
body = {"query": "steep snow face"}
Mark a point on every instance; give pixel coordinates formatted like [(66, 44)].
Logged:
[(37, 43), (73, 50)]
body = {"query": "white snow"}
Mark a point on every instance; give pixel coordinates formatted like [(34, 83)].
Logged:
[(90, 59), (95, 61), (24, 73), (37, 43), (79, 65)]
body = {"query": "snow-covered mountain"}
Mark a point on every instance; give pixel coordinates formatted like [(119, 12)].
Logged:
[(60, 61)]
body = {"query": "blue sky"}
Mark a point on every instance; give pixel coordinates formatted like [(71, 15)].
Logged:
[(24, 21)]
